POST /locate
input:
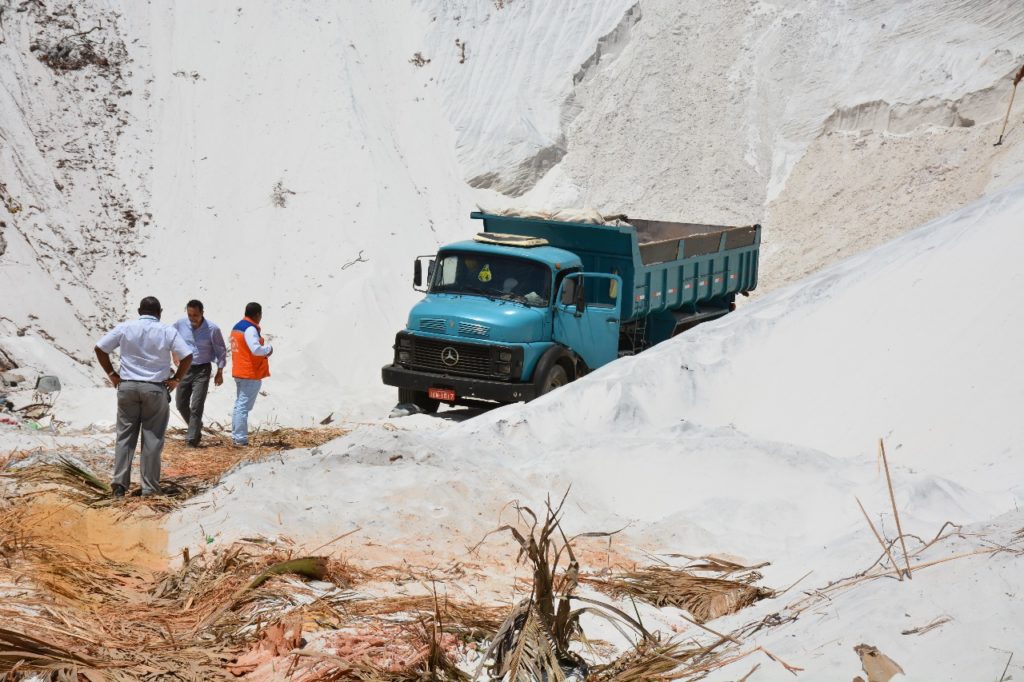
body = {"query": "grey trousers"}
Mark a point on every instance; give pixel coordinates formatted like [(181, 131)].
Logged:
[(190, 399), (141, 407)]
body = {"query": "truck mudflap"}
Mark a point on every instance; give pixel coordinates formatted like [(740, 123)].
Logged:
[(467, 388)]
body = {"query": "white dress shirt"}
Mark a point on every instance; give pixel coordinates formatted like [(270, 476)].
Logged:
[(146, 347), (252, 339)]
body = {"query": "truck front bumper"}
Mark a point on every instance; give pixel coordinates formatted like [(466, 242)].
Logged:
[(464, 387)]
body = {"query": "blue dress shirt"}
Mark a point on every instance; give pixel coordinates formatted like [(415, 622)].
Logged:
[(207, 342)]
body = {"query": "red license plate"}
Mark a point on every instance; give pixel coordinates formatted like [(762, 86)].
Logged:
[(443, 394)]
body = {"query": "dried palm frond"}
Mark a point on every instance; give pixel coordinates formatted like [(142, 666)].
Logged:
[(314, 567), (25, 652), (533, 643), (75, 472), (649, 661), (704, 597), (525, 651), (458, 616)]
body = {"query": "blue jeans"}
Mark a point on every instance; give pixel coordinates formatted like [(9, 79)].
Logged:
[(248, 389)]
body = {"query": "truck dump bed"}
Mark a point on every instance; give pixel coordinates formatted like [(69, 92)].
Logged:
[(665, 266)]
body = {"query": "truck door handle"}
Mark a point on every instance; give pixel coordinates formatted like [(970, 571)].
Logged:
[(612, 320)]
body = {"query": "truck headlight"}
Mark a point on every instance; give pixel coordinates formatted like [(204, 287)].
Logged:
[(505, 355), (405, 342), (504, 368), (404, 356)]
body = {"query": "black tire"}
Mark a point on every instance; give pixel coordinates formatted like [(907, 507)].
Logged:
[(419, 399), (556, 376)]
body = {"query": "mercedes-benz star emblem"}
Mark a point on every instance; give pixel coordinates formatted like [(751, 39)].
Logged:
[(449, 356)]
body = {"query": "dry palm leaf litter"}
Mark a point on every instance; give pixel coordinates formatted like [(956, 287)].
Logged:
[(86, 594)]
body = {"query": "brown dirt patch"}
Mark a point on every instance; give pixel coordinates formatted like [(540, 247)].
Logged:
[(217, 455), (95, 534)]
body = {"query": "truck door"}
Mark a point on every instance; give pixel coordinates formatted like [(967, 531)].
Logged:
[(586, 314)]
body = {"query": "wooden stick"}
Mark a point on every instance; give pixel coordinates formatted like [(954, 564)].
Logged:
[(885, 547), (1016, 81), (798, 581), (895, 513), (1007, 119), (1003, 676), (918, 566), (331, 542)]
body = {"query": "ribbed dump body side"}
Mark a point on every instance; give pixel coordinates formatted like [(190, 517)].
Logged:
[(664, 265)]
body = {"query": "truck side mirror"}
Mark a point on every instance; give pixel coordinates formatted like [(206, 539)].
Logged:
[(417, 273)]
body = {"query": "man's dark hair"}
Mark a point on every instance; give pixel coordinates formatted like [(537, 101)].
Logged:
[(150, 306), (195, 303), (253, 309)]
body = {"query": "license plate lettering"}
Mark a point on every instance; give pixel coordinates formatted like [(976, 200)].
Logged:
[(444, 394)]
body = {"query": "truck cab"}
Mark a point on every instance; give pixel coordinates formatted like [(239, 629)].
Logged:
[(499, 315)]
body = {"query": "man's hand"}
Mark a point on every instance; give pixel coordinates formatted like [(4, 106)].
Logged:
[(171, 383), (218, 378), (114, 378)]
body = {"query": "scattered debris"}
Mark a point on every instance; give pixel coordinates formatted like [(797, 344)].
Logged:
[(357, 259), (190, 75), (419, 60), (72, 52), (404, 410), (878, 666), (938, 622), (279, 195)]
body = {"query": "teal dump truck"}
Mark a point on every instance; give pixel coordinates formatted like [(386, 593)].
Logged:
[(530, 304)]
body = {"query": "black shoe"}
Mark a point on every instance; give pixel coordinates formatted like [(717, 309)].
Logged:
[(117, 490), (193, 444)]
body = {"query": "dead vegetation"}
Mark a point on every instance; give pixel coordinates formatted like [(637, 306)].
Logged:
[(543, 638), (279, 194), (72, 52), (81, 602), (63, 44), (703, 596), (186, 471), (81, 612)]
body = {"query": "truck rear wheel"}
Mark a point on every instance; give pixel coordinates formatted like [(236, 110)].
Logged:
[(419, 399), (554, 378)]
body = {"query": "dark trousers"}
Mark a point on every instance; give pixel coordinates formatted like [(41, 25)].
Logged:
[(190, 399), (141, 408)]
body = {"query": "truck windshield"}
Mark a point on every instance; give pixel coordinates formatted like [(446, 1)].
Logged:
[(493, 276)]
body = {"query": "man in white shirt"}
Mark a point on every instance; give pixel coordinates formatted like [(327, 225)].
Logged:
[(143, 391)]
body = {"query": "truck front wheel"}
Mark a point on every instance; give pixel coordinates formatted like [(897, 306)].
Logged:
[(419, 399), (554, 378)]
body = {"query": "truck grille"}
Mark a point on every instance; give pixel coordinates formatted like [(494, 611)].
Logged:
[(471, 360)]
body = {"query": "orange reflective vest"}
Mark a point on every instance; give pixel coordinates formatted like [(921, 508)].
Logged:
[(244, 363)]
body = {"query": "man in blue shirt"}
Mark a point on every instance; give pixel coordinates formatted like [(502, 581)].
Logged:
[(208, 347), (143, 383)]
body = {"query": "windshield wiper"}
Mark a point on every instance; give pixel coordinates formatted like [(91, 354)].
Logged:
[(482, 292), (511, 295)]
